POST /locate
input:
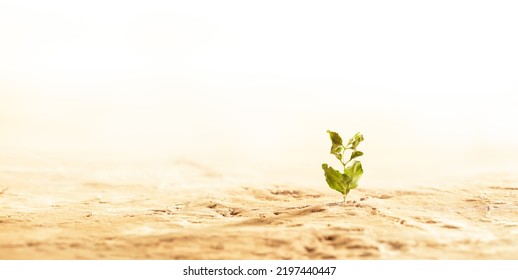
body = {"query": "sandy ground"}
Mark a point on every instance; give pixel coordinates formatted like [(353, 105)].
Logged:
[(57, 217)]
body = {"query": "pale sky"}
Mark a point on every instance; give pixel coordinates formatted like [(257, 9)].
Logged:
[(427, 82)]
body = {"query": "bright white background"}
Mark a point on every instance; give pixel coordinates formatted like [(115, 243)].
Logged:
[(174, 269), (254, 85)]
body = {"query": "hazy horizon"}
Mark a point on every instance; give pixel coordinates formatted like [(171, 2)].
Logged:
[(254, 87)]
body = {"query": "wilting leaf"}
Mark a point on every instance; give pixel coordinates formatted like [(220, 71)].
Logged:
[(333, 178)]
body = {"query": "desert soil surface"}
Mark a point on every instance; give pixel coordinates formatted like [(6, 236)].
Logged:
[(63, 216)]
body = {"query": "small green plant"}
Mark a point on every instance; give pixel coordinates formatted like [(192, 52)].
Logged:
[(348, 180)]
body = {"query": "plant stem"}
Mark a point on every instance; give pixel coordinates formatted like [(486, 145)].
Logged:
[(343, 154)]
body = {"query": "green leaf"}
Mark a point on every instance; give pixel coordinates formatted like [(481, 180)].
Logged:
[(334, 178), (352, 175), (335, 137), (336, 150), (356, 154), (355, 140), (337, 146)]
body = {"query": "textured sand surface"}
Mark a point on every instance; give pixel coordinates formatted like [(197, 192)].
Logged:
[(49, 216)]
